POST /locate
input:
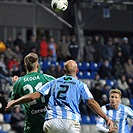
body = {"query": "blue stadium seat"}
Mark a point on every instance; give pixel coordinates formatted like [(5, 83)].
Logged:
[(83, 66), (62, 64), (80, 75), (94, 66), (110, 83), (45, 65), (93, 74), (7, 117), (87, 75)]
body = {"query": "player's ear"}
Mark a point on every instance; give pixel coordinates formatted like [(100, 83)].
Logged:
[(37, 66), (77, 70), (63, 70)]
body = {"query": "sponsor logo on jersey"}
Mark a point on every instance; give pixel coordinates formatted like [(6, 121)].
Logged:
[(38, 111), (31, 78)]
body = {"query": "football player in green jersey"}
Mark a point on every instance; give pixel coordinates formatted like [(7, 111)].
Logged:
[(29, 83)]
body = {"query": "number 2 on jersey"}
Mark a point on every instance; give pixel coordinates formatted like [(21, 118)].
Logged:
[(61, 92)]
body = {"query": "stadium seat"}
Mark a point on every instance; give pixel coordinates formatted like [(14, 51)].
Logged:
[(45, 65), (87, 75), (7, 117), (1, 118), (80, 75), (6, 127), (125, 101), (93, 73), (62, 64), (94, 66), (111, 83), (83, 66), (86, 81)]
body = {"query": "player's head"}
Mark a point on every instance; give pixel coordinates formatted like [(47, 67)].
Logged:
[(70, 67), (31, 62), (115, 97)]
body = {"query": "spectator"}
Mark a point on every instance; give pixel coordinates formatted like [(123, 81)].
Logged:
[(130, 83), (3, 101), (43, 48), (18, 53), (32, 43), (14, 67), (116, 45), (105, 70), (52, 50), (126, 48), (9, 54), (106, 88), (73, 48), (63, 52), (51, 70), (97, 93), (89, 51), (17, 120), (124, 87), (108, 50), (118, 69), (129, 67), (3, 68), (97, 79), (118, 56), (18, 41), (104, 100), (59, 71), (9, 42), (98, 48)]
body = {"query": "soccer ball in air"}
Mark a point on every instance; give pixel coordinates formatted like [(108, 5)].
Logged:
[(59, 5)]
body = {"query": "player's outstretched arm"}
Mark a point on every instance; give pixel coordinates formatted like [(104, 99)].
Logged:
[(25, 99), (97, 109)]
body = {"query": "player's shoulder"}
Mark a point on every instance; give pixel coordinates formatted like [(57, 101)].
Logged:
[(125, 107), (48, 76), (81, 83)]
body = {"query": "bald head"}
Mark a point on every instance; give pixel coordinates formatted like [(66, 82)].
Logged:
[(71, 67)]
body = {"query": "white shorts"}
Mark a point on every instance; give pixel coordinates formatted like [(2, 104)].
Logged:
[(61, 126)]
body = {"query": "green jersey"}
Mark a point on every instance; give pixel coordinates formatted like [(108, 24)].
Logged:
[(35, 110)]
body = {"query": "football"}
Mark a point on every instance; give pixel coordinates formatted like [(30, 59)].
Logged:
[(59, 5)]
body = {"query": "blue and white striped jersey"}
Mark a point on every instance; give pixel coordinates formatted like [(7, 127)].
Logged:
[(65, 95), (119, 117)]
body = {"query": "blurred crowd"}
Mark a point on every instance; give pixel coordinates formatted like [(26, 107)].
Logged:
[(114, 54)]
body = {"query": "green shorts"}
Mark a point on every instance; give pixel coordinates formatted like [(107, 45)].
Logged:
[(34, 129)]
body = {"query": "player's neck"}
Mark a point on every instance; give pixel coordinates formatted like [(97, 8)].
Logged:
[(115, 106), (32, 71), (72, 75)]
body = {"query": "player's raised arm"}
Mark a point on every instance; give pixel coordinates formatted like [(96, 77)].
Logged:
[(25, 99)]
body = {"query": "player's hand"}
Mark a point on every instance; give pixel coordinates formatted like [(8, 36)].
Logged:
[(9, 105), (113, 130), (14, 79), (110, 124)]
